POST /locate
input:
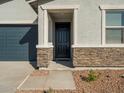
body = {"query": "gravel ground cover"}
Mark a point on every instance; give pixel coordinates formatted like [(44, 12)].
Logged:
[(108, 81)]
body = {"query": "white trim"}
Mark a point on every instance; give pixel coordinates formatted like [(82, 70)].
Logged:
[(30, 1), (114, 27), (40, 25), (46, 27), (47, 7), (75, 24), (97, 46), (60, 6), (103, 26), (44, 46), (105, 7), (18, 22)]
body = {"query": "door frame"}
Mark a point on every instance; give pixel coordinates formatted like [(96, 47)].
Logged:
[(43, 20), (43, 12), (70, 40)]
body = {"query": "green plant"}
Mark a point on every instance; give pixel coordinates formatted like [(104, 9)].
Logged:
[(91, 76), (50, 90), (122, 76)]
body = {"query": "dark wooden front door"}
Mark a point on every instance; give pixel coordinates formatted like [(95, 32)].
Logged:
[(62, 40)]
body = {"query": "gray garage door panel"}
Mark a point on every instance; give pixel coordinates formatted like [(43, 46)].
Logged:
[(18, 42)]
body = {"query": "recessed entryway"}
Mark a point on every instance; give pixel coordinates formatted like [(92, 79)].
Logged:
[(60, 31)]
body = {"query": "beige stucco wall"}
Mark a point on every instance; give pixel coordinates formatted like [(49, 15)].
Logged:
[(16, 11), (89, 18)]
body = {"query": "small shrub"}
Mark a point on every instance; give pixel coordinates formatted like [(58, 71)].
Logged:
[(50, 90), (122, 76), (91, 76)]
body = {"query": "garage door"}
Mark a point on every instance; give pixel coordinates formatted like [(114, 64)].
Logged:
[(18, 42)]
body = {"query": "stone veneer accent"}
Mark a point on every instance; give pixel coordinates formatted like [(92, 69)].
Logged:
[(98, 56), (44, 56)]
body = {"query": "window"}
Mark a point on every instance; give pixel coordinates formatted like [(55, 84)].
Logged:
[(114, 28)]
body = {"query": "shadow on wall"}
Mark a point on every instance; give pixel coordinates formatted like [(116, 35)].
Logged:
[(31, 37), (44, 1), (35, 21), (4, 1), (34, 5)]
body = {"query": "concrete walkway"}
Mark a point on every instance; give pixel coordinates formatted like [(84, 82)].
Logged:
[(12, 73), (59, 65), (54, 80)]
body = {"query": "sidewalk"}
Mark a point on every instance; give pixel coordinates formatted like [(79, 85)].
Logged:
[(54, 79)]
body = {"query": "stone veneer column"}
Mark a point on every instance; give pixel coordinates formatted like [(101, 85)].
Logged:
[(44, 50), (44, 56)]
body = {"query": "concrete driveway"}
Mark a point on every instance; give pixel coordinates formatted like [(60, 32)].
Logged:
[(12, 74)]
